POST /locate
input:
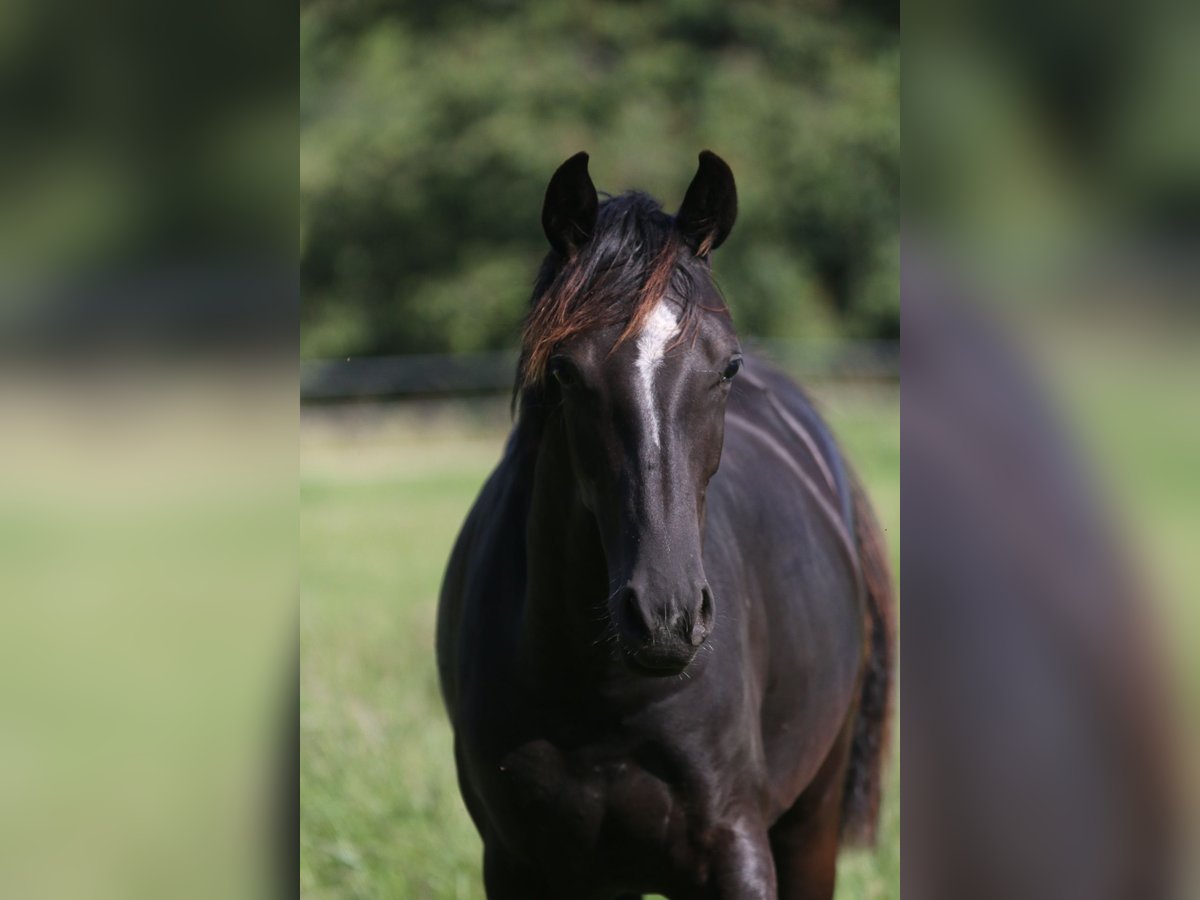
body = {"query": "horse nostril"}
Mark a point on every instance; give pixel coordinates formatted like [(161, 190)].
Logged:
[(703, 622), (632, 616)]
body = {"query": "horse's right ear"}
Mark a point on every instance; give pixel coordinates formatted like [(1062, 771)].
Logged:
[(569, 211)]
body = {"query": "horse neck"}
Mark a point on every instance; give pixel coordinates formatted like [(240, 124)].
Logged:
[(565, 622)]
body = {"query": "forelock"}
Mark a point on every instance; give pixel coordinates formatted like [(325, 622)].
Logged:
[(619, 277)]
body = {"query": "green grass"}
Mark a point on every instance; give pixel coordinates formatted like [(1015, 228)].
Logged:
[(382, 497)]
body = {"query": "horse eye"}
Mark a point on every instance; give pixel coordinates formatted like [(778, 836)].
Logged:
[(732, 369), (562, 370)]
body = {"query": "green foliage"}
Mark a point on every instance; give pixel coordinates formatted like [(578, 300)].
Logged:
[(429, 132)]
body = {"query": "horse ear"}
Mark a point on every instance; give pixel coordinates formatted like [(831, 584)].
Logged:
[(569, 211), (709, 206)]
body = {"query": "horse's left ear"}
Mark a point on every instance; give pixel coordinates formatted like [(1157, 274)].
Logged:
[(709, 206), (570, 208)]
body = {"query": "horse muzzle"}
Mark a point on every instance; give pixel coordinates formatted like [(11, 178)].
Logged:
[(663, 641)]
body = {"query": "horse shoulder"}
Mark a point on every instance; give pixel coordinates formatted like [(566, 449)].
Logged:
[(488, 550)]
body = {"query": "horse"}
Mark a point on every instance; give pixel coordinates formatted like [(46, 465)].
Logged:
[(665, 632)]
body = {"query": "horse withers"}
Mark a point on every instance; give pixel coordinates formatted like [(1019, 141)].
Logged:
[(665, 630)]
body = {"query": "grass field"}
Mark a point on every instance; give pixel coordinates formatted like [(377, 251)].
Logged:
[(383, 493)]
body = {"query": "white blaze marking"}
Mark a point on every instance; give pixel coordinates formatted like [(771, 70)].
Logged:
[(660, 327)]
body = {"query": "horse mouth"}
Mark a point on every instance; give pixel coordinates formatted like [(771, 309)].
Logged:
[(659, 662)]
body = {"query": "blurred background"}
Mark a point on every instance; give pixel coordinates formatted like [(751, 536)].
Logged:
[(1051, 367), (148, 319), (428, 135)]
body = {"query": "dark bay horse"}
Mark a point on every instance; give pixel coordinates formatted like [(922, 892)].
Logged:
[(665, 631)]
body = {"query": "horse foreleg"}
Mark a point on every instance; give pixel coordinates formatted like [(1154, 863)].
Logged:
[(806, 838), (504, 878), (742, 867)]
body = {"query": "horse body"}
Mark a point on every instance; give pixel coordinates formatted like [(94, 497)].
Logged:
[(585, 775)]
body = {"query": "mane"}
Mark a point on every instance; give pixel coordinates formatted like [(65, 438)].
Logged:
[(618, 277)]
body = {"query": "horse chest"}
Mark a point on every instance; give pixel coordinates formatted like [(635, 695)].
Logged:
[(592, 813)]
